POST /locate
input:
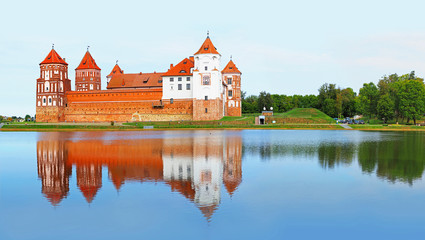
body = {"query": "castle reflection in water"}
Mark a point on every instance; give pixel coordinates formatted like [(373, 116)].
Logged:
[(196, 167)]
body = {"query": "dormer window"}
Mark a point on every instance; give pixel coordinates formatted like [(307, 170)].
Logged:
[(182, 71)]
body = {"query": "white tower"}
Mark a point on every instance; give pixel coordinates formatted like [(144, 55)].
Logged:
[(207, 83)]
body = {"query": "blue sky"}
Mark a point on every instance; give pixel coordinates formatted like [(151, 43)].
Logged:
[(285, 47)]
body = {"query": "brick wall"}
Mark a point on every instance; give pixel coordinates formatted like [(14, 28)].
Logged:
[(214, 109), (125, 105), (50, 114)]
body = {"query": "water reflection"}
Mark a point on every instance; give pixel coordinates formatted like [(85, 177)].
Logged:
[(196, 167), (391, 156)]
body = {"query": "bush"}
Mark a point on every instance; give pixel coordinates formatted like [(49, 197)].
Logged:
[(112, 123)]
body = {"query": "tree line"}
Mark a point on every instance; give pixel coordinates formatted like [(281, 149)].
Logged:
[(399, 98)]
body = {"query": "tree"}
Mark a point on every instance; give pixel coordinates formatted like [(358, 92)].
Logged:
[(412, 102), (264, 100), (329, 107), (249, 104), (385, 107), (1, 118), (368, 97), (27, 117), (348, 97)]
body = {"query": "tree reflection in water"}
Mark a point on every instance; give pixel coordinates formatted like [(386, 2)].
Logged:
[(400, 158)]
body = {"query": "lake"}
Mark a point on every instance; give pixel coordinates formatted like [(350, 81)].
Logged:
[(247, 184)]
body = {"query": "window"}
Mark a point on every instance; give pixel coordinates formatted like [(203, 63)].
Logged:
[(171, 100), (44, 100), (206, 110), (188, 86), (50, 100), (171, 79), (179, 79), (206, 98), (206, 68), (187, 78), (206, 80), (180, 87), (229, 81), (230, 93)]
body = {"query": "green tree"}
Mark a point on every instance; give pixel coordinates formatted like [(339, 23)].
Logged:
[(368, 99), (348, 102), (249, 104), (264, 100), (385, 107), (1, 118), (412, 104), (329, 107), (27, 117)]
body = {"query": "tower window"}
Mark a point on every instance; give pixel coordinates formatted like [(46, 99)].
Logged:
[(229, 80), (230, 93), (188, 86), (206, 110), (171, 100), (206, 68), (180, 86), (206, 80), (206, 98)]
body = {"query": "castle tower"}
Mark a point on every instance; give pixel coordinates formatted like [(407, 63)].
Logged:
[(232, 78), (87, 74), (51, 88), (115, 70), (207, 84)]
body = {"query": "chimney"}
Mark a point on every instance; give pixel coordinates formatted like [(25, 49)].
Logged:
[(171, 66)]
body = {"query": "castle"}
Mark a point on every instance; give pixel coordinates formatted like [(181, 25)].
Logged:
[(193, 89)]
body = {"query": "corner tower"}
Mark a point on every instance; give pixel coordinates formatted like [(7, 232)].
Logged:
[(232, 79), (87, 74), (207, 84), (51, 88)]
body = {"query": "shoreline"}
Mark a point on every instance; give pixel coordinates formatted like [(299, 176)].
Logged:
[(74, 128)]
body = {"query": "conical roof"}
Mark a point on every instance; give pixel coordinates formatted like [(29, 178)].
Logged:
[(231, 68), (116, 70), (87, 62), (53, 57), (207, 47), (89, 192)]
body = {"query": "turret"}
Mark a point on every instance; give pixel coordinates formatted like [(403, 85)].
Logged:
[(232, 79), (87, 74), (51, 88), (115, 70)]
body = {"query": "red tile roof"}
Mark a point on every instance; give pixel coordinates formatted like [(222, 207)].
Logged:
[(231, 68), (53, 57), (181, 69), (115, 70), (136, 80), (207, 47), (87, 62)]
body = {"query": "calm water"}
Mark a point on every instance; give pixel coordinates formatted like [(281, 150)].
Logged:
[(251, 184)]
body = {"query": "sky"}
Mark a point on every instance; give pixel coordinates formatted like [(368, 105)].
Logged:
[(282, 47)]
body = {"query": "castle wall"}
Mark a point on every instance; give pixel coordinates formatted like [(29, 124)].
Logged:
[(51, 114), (125, 106), (211, 109)]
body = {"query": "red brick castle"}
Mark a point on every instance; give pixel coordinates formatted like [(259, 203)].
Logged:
[(194, 89)]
